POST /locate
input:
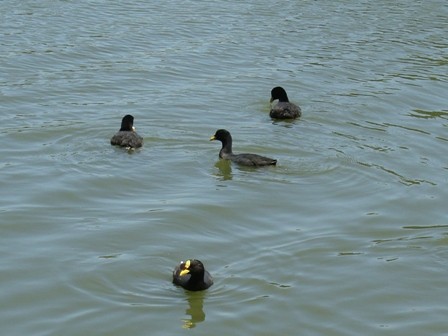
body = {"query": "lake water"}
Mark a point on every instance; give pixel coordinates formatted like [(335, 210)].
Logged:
[(348, 235)]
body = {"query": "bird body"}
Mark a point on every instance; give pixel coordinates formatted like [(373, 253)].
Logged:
[(244, 159), (127, 136), (192, 275), (284, 109)]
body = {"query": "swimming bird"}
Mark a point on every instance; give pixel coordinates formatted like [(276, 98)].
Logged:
[(192, 275), (126, 136), (284, 109), (245, 159)]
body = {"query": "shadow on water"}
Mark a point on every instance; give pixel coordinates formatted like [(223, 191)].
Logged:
[(195, 309)]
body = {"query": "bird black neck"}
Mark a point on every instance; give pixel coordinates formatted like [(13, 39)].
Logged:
[(226, 146), (126, 128), (283, 98)]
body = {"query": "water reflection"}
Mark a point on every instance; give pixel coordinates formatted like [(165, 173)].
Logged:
[(195, 310), (402, 179), (225, 169), (429, 114), (287, 123)]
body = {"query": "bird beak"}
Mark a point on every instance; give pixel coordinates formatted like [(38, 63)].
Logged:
[(272, 99), (212, 138), (184, 271)]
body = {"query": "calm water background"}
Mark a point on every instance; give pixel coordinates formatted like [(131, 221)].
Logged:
[(348, 235)]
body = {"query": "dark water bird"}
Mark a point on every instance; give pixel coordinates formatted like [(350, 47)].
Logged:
[(192, 275), (245, 159), (126, 136), (284, 109)]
